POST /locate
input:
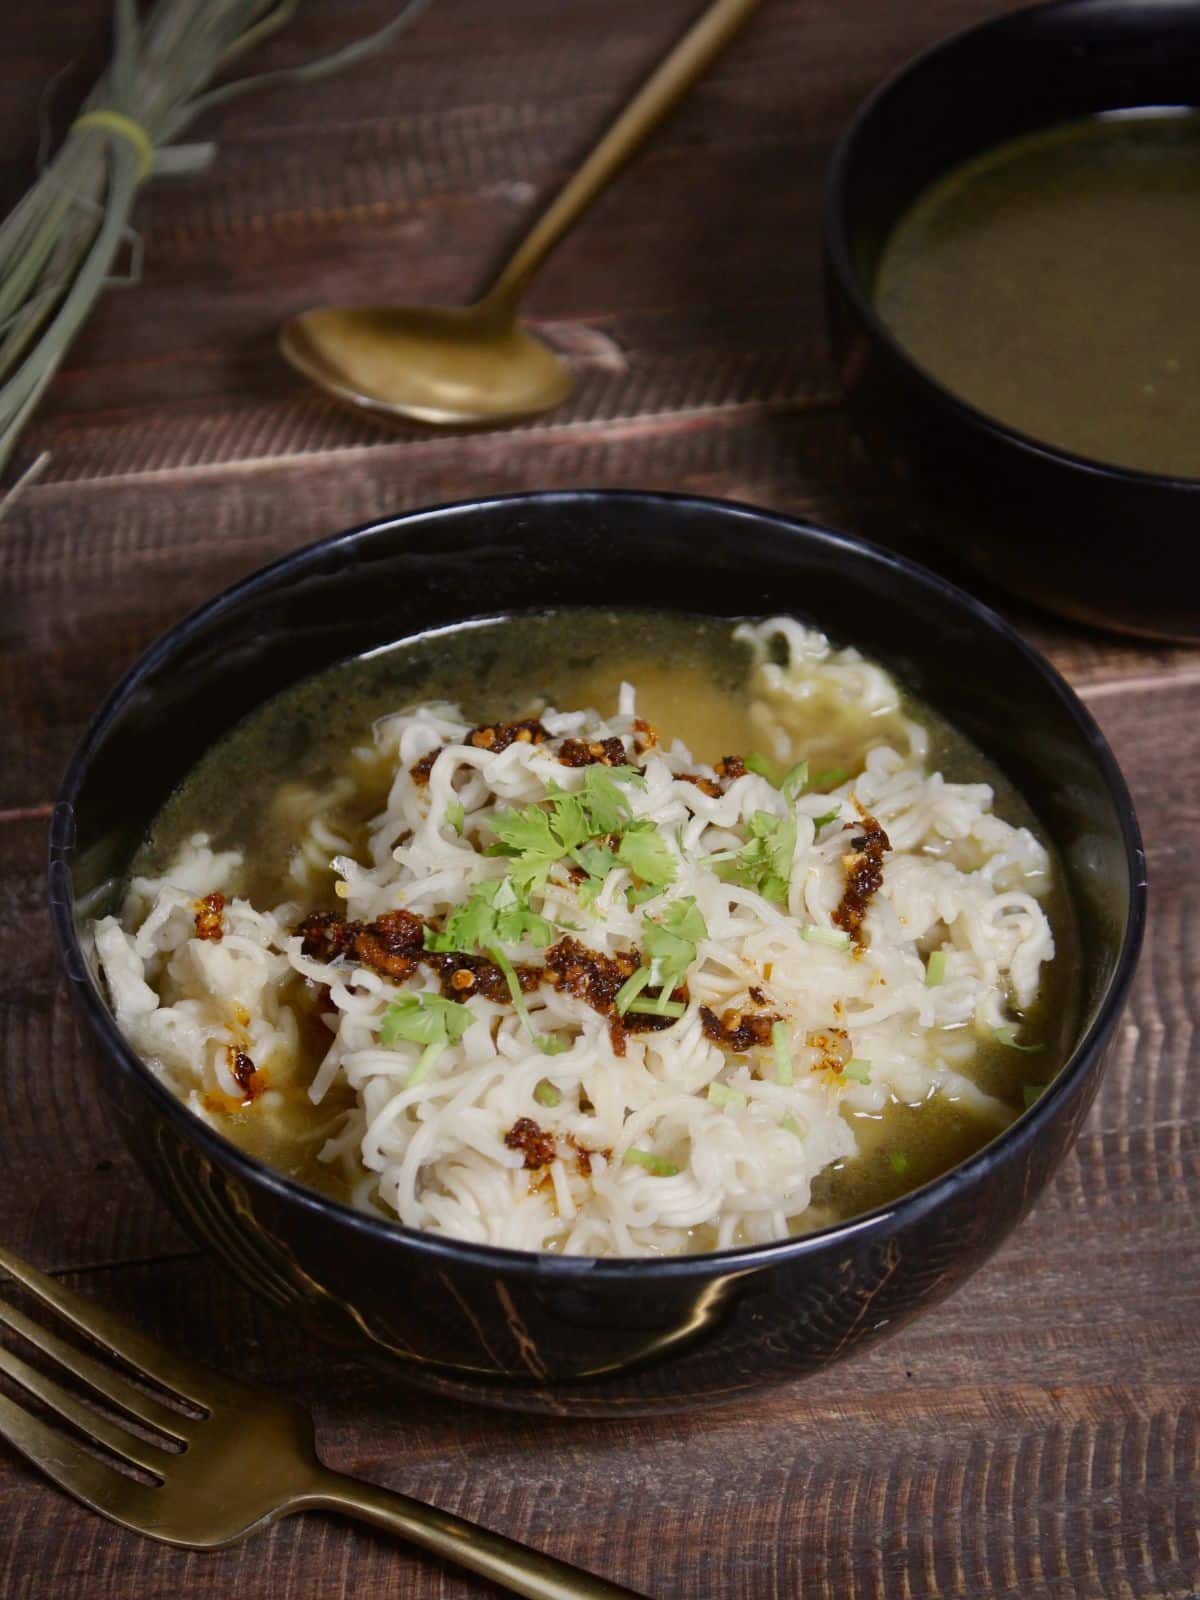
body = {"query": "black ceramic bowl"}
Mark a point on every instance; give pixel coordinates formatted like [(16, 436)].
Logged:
[(1099, 543), (551, 1332)]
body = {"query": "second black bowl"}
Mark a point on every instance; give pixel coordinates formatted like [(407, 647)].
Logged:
[(559, 1333), (1102, 544)]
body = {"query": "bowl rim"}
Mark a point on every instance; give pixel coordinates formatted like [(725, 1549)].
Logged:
[(836, 210), (1026, 1127)]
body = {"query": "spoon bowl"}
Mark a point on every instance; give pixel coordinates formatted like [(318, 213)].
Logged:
[(442, 365), (451, 366)]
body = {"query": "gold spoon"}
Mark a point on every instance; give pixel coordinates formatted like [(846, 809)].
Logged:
[(449, 365)]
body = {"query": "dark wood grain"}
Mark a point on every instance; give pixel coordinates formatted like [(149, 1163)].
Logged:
[(1038, 1438)]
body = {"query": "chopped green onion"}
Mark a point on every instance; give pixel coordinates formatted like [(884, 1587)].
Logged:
[(765, 768), (1032, 1092), (899, 1162), (1007, 1035), (795, 780), (792, 1126), (658, 1165), (455, 815), (720, 1095), (630, 989), (857, 1069), (657, 1008), (835, 938), (783, 1054), (935, 970), (547, 1094)]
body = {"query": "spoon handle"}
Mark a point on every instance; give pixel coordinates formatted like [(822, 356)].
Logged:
[(669, 82)]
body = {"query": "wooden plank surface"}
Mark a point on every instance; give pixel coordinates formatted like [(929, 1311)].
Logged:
[(1038, 1437)]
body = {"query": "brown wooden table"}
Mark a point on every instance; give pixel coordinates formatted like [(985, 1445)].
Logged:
[(1036, 1438)]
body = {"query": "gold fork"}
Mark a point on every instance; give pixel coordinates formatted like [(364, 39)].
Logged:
[(234, 1461)]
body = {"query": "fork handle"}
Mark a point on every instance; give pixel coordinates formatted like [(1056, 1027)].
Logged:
[(514, 1566)]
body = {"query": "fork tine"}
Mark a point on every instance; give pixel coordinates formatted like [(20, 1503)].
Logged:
[(178, 1376), (103, 1379), (133, 1451), (70, 1466)]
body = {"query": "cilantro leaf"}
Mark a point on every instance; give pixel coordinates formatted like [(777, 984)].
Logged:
[(764, 862), (764, 766), (671, 945), (647, 855), (424, 1019)]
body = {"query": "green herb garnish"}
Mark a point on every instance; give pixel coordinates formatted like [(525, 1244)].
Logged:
[(835, 938), (825, 819), (455, 815), (764, 863), (935, 970), (428, 1020), (539, 835), (658, 1165), (495, 914), (783, 1054), (794, 783), (647, 855), (658, 1007), (764, 766), (857, 1069), (547, 1094), (830, 779), (630, 989), (671, 945)]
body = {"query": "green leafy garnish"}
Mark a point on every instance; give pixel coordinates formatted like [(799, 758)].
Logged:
[(899, 1162), (830, 779), (658, 1165), (764, 766), (1032, 1092), (825, 819), (783, 1054), (935, 970), (547, 1094), (546, 1044), (795, 781), (721, 1095), (857, 1069), (495, 914), (671, 945), (630, 989), (835, 938), (647, 855), (424, 1019), (428, 1020), (1007, 1035), (658, 1007), (537, 836), (455, 815), (764, 862)]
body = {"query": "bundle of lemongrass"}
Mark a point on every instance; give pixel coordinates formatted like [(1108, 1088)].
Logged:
[(59, 245)]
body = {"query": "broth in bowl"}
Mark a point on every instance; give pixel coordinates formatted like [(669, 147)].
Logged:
[(605, 933)]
